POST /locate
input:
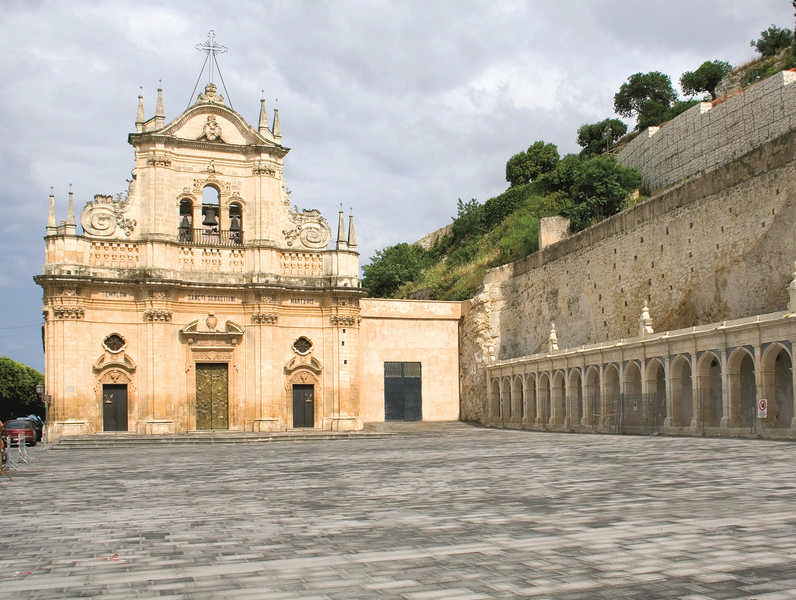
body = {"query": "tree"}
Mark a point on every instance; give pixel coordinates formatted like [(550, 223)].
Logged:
[(469, 220), (648, 96), (526, 166), (772, 40), (705, 78), (599, 137), (598, 190), (392, 267), (18, 396)]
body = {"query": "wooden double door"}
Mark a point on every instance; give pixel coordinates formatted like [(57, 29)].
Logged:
[(212, 396), (303, 405), (114, 407)]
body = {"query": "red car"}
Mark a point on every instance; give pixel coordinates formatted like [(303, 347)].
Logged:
[(16, 428)]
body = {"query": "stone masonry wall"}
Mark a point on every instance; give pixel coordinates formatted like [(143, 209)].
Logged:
[(718, 246), (709, 135)]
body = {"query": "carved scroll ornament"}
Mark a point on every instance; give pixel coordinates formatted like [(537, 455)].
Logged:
[(311, 229), (105, 214)]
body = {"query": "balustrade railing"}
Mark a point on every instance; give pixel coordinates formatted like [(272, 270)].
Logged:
[(210, 237)]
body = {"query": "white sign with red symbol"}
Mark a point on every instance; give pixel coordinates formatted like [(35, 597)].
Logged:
[(762, 408)]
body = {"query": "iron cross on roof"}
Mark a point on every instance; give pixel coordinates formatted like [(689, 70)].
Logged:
[(211, 48)]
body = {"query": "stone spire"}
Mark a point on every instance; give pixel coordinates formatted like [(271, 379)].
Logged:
[(277, 131), (139, 115), (352, 236), (263, 126), (341, 237), (70, 212), (51, 224), (160, 113), (552, 340), (645, 322)]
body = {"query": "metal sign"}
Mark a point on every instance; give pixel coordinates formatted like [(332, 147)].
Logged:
[(762, 408)]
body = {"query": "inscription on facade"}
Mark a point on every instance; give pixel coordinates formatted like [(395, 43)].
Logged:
[(203, 298)]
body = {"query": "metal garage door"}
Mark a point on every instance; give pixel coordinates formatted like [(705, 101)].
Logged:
[(402, 400)]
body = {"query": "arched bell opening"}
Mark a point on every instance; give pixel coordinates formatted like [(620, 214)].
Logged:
[(211, 204), (235, 224), (185, 227)]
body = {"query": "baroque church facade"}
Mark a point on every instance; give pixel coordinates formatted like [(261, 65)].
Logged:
[(201, 300)]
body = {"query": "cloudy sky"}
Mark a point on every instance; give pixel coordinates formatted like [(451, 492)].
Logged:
[(396, 109)]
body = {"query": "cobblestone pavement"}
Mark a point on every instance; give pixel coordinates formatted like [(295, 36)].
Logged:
[(463, 514)]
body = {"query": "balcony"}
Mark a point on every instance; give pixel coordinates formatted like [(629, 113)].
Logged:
[(210, 237)]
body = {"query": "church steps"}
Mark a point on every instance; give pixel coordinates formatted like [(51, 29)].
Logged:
[(121, 440)]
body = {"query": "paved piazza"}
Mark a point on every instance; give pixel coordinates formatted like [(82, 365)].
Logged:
[(458, 513)]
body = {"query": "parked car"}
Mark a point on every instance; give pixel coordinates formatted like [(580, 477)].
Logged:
[(38, 425), (14, 428)]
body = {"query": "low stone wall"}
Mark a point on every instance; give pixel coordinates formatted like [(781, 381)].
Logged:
[(719, 246), (712, 134)]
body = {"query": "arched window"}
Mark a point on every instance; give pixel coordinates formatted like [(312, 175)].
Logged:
[(185, 226), (235, 224), (210, 212)]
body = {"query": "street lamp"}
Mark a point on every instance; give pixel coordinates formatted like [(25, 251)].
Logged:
[(40, 392)]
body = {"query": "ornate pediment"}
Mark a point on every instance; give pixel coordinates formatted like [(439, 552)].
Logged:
[(110, 360), (215, 125), (300, 362), (206, 332)]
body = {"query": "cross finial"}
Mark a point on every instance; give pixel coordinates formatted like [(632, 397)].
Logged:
[(211, 49), (210, 46)]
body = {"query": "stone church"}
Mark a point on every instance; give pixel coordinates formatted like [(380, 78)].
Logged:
[(200, 299)]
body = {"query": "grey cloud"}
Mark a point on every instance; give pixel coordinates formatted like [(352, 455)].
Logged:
[(395, 109)]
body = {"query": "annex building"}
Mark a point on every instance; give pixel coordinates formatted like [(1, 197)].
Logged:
[(201, 300)]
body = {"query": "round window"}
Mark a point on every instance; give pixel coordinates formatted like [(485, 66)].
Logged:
[(302, 345), (114, 343)]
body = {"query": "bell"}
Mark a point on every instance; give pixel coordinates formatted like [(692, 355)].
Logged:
[(210, 218)]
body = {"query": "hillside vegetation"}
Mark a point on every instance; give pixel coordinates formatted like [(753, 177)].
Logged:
[(586, 187)]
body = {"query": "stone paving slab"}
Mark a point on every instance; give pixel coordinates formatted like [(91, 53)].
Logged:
[(464, 513)]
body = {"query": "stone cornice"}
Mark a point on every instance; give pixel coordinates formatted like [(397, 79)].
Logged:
[(139, 139)]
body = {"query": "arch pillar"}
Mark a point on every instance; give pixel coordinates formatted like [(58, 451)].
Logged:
[(696, 395), (727, 416)]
